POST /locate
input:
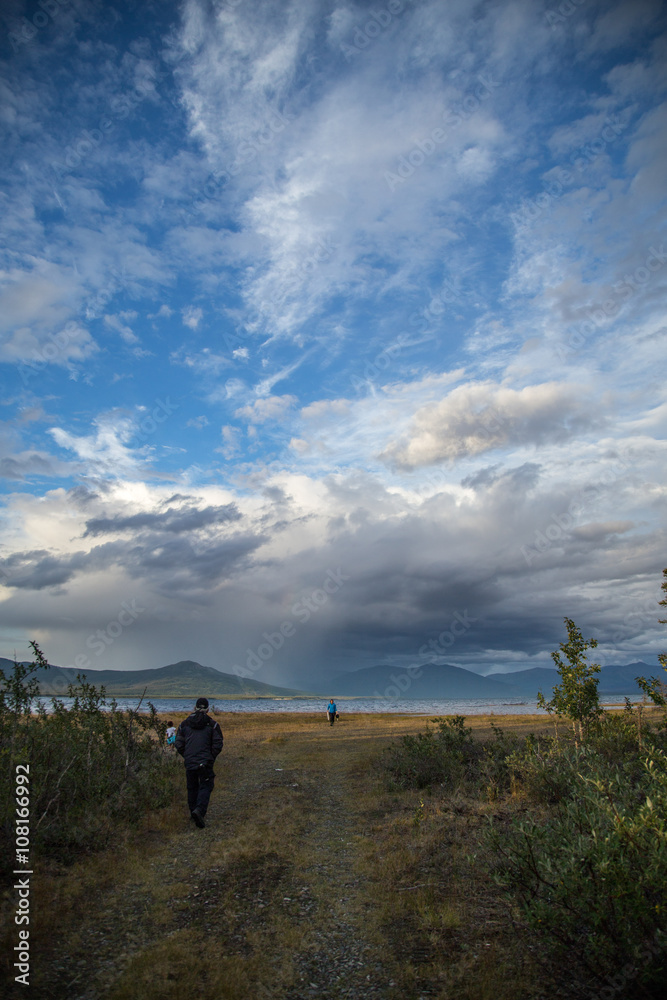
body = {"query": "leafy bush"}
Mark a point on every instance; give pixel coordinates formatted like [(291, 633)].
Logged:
[(654, 687), (592, 879), (624, 735), (91, 765), (587, 871), (541, 770), (436, 756), (495, 771), (448, 755)]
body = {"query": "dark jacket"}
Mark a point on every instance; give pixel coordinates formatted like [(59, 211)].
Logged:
[(199, 739)]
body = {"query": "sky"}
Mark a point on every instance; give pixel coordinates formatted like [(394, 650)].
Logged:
[(332, 334)]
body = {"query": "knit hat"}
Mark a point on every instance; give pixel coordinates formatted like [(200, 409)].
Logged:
[(202, 704)]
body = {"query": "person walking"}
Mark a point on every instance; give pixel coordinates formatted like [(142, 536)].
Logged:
[(331, 712), (199, 741)]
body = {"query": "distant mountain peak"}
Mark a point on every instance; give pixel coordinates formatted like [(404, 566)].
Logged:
[(184, 679)]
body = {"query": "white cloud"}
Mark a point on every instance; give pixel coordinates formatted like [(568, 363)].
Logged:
[(273, 408), (35, 317), (315, 195), (230, 441), (126, 332), (476, 418), (300, 446), (106, 452), (323, 408), (38, 297), (197, 422), (192, 316), (33, 351), (204, 362)]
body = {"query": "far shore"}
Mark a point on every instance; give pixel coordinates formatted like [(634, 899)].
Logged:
[(343, 697)]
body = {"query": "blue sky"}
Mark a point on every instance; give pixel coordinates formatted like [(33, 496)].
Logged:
[(341, 318)]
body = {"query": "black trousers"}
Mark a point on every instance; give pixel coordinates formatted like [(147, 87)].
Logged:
[(200, 781), (332, 718)]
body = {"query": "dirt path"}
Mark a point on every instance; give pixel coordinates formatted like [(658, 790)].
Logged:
[(270, 900), (343, 963)]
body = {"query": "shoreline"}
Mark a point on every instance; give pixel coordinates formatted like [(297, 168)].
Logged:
[(351, 705)]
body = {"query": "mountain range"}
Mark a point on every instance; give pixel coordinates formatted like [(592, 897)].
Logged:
[(428, 681), (447, 681), (185, 679), (189, 679), (612, 679)]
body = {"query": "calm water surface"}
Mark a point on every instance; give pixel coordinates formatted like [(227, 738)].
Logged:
[(405, 706)]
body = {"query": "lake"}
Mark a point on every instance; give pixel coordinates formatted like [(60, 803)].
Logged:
[(403, 706)]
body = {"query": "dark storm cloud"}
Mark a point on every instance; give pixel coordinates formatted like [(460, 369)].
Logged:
[(81, 496), (177, 564), (39, 570), (174, 564), (410, 576), (172, 520), (482, 478), (276, 495)]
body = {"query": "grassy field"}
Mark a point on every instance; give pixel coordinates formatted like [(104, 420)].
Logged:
[(311, 879)]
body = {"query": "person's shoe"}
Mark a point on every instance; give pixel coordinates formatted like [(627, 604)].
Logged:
[(198, 818)]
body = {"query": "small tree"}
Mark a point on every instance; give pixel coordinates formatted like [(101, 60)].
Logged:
[(18, 692), (654, 687), (577, 696), (20, 688)]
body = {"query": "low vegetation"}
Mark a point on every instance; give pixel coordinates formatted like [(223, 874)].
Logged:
[(92, 768)]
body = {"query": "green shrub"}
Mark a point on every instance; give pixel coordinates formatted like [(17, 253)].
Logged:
[(495, 772), (654, 687), (542, 770), (591, 880), (91, 765), (448, 755), (437, 756), (624, 735)]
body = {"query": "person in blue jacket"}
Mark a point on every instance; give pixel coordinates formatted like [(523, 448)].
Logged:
[(331, 711), (199, 741)]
